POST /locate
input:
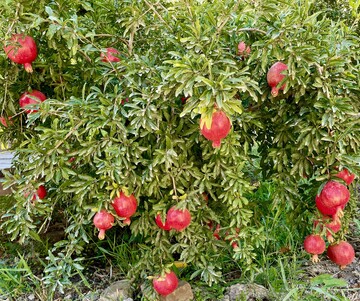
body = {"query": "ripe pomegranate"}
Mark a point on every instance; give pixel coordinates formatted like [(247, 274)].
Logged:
[(243, 49), (22, 50), (342, 254), (178, 219), (110, 55), (31, 98), (5, 121), (184, 99), (315, 245), (167, 284), (334, 194), (161, 225), (331, 226), (327, 210), (219, 129), (125, 206), (346, 176), (234, 245), (333, 197), (275, 76), (205, 197), (41, 192), (124, 100), (216, 233), (335, 212), (230, 237), (103, 221)]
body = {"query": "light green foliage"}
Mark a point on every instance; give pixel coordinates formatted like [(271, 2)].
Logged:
[(126, 127)]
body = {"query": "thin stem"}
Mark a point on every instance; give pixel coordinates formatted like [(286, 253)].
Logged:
[(227, 18), (67, 136), (174, 185), (252, 29), (15, 19), (155, 11)]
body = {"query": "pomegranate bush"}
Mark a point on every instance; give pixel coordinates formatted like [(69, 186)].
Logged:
[(159, 105)]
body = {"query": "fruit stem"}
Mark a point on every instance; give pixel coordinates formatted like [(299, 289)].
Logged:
[(315, 258), (101, 235), (330, 238), (127, 221), (252, 29), (216, 143), (274, 91), (28, 67)]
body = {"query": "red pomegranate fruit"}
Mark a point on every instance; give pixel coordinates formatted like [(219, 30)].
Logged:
[(234, 245), (5, 121), (178, 219), (219, 129), (21, 49), (161, 225), (346, 176), (327, 210), (216, 233), (342, 254), (184, 99), (333, 197), (103, 221), (111, 55), (31, 98), (315, 245), (243, 49), (165, 285), (334, 194), (125, 206), (335, 212), (275, 76), (41, 192)]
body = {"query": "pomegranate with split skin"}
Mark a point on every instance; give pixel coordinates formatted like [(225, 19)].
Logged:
[(125, 206), (274, 76), (111, 55), (21, 49), (315, 245), (178, 219), (346, 176), (165, 285), (31, 98), (341, 253), (160, 224), (103, 221), (219, 128)]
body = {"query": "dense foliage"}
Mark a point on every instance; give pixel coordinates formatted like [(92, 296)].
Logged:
[(133, 125)]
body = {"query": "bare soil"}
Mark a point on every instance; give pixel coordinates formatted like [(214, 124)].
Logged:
[(351, 273)]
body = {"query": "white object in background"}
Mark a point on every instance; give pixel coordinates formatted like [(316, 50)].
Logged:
[(6, 158)]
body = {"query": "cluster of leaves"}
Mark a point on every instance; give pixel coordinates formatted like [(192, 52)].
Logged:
[(112, 126)]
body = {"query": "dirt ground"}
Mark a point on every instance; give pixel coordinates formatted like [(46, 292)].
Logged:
[(351, 273)]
